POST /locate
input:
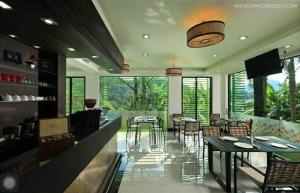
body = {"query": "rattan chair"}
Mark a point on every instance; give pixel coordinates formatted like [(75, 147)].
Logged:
[(214, 118), (132, 127), (209, 131), (176, 125), (192, 128), (158, 127), (247, 124), (237, 131), (278, 174)]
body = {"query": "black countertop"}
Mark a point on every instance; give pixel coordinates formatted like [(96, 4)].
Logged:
[(56, 175)]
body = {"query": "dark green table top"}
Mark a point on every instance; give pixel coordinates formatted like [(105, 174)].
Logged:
[(264, 146)]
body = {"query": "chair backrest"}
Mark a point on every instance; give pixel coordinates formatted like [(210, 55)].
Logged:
[(177, 115), (237, 131), (215, 116), (282, 173), (191, 126), (232, 123), (211, 131), (248, 124)]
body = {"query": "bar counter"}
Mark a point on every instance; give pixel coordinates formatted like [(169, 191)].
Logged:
[(82, 167)]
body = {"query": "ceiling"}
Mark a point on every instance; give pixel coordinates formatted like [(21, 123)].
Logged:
[(79, 27), (168, 20)]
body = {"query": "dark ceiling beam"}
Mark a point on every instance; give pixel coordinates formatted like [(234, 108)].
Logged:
[(80, 26)]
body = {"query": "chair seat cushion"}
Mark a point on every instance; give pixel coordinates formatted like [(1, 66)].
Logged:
[(133, 125), (254, 175)]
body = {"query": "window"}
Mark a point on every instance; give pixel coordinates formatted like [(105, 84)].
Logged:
[(196, 98), (75, 94), (241, 97), (136, 95), (283, 92)]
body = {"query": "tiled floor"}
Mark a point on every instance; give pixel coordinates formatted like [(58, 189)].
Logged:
[(155, 165)]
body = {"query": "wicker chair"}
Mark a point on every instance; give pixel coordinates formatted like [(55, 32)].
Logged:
[(237, 131), (247, 124), (213, 118), (176, 125), (192, 128), (132, 127), (278, 174), (209, 131), (158, 127)]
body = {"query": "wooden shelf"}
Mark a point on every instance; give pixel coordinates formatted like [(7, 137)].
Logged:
[(48, 87), (18, 84), (47, 72), (18, 101), (18, 67)]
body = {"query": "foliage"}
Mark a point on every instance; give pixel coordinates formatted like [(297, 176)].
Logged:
[(75, 91), (196, 98), (134, 93)]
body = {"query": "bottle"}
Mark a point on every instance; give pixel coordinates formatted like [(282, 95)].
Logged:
[(251, 139)]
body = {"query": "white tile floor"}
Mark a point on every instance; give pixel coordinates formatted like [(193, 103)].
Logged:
[(155, 165)]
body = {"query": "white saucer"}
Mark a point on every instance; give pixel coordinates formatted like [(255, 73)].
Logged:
[(279, 145), (243, 145), (261, 138), (229, 138)]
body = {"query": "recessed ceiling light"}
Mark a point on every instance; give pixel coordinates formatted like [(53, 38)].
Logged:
[(215, 55), (145, 54), (110, 69), (288, 46), (4, 5), (146, 36), (94, 56), (71, 49), (37, 47), (49, 21), (12, 36), (243, 37)]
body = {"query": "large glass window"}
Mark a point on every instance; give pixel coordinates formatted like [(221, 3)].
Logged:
[(75, 94), (138, 95), (196, 98), (283, 92), (241, 97)]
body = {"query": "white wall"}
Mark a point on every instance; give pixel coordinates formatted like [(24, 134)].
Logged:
[(174, 100), (219, 94), (92, 89)]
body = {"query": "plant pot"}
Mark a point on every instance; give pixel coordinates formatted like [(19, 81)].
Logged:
[(90, 103)]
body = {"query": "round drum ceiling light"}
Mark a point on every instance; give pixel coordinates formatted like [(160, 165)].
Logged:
[(174, 71), (205, 34), (125, 68)]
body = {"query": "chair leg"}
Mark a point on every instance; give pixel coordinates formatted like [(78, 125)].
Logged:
[(203, 152), (234, 175), (242, 163)]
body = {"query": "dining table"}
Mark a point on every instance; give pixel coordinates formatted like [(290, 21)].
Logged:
[(268, 144), (143, 119)]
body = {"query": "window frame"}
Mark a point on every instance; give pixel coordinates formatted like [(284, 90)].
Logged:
[(70, 90), (196, 96)]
